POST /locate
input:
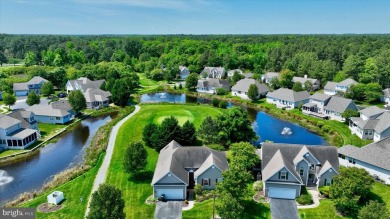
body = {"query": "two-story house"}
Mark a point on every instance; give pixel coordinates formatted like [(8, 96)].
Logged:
[(33, 85), (18, 130), (183, 72), (373, 124), (241, 88), (288, 167), (331, 88), (180, 168), (213, 72)]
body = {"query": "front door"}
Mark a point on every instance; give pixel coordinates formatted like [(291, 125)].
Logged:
[(191, 180)]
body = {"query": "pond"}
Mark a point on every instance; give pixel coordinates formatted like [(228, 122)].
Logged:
[(68, 151), (268, 127)]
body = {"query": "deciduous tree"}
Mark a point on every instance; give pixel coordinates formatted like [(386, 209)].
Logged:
[(9, 99), (107, 202), (192, 81), (47, 89), (77, 100), (33, 98), (135, 158), (253, 92)]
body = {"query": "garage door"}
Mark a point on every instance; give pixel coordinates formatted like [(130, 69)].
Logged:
[(284, 193), (171, 194)]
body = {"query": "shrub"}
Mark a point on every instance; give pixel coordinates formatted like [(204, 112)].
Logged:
[(324, 191), (320, 124), (174, 86), (257, 186), (180, 86), (198, 189), (305, 198), (223, 104), (215, 102), (217, 147), (221, 91), (325, 128)]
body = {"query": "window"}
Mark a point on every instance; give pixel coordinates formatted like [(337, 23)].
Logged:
[(312, 166), (205, 182), (58, 118), (352, 160), (283, 175), (327, 182), (342, 156), (301, 171)]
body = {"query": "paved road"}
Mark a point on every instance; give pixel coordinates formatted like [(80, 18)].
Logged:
[(102, 173), (283, 209)]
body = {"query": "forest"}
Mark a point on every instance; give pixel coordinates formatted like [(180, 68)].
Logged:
[(365, 58)]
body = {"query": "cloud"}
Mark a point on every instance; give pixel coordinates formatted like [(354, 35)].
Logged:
[(161, 4)]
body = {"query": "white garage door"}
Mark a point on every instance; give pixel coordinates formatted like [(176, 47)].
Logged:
[(284, 193), (171, 194)]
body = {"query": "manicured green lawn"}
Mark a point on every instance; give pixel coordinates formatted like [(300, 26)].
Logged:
[(135, 192), (381, 193), (10, 152), (325, 210), (73, 190), (144, 81), (48, 130)]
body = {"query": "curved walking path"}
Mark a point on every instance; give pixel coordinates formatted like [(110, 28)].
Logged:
[(102, 173), (316, 200)]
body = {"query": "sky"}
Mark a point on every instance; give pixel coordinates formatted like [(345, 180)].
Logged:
[(194, 16)]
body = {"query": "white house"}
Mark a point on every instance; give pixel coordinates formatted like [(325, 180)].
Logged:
[(18, 130), (373, 124), (326, 106), (213, 72), (267, 77), (242, 87), (183, 72), (55, 197), (331, 88), (286, 98), (231, 72), (314, 82), (210, 85), (33, 85), (386, 96), (373, 157)]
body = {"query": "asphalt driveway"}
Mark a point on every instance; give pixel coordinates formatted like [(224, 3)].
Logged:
[(168, 210), (21, 103), (283, 209)]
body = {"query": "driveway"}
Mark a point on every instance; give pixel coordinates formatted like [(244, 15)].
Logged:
[(168, 210), (21, 103), (283, 209)]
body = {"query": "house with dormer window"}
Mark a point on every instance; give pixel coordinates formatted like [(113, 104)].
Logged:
[(180, 168), (33, 85), (288, 167)]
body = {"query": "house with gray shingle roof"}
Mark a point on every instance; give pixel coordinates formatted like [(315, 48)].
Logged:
[(386, 96), (328, 107), (242, 87), (214, 72), (231, 72), (287, 98), (33, 85), (267, 77), (59, 112), (331, 88), (314, 82), (18, 130), (94, 96), (210, 85), (180, 168), (373, 157), (373, 124), (183, 72), (288, 167)]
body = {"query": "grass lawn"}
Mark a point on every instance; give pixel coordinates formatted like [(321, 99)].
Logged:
[(10, 152), (325, 210), (48, 130), (73, 190), (135, 192), (144, 81)]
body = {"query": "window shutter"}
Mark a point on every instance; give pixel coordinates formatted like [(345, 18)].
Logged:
[(279, 174), (325, 181), (286, 175), (209, 182), (202, 182)]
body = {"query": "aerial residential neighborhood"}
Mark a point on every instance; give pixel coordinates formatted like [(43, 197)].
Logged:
[(172, 109)]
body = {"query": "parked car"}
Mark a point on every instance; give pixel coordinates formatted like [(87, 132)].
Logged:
[(61, 95)]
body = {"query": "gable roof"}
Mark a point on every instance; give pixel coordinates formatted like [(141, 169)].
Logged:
[(7, 121), (372, 111), (347, 82), (386, 92), (213, 72), (383, 122), (291, 152), (174, 159), (270, 75), (36, 80), (326, 167), (330, 85), (339, 104), (376, 153), (84, 84), (289, 95), (181, 67), (19, 86), (23, 116), (302, 80), (243, 85), (213, 82), (320, 97), (231, 72), (96, 94)]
